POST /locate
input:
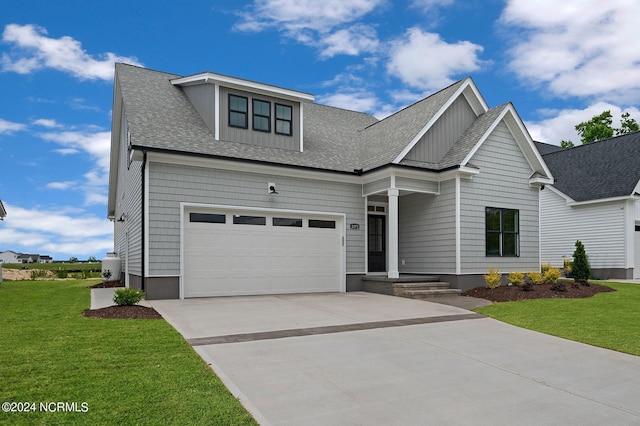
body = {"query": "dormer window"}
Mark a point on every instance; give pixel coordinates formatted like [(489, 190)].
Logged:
[(261, 115), (238, 111), (284, 119)]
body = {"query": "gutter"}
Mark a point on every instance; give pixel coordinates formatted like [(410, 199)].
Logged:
[(142, 222)]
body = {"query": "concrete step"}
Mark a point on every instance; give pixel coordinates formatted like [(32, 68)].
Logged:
[(421, 285), (430, 294)]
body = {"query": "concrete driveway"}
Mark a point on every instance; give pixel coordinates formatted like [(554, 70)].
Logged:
[(369, 359)]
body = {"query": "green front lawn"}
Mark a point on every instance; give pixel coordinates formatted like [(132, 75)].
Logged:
[(609, 320), (126, 371)]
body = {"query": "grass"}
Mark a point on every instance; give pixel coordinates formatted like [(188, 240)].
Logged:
[(126, 371), (608, 320), (91, 267)]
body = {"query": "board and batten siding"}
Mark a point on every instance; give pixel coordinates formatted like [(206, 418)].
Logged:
[(128, 233), (503, 182), (600, 227), (253, 137), (434, 145), (171, 184), (203, 98), (426, 231)]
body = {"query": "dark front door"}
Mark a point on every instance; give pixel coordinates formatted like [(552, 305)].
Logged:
[(376, 237)]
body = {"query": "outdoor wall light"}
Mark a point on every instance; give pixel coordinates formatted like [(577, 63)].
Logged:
[(271, 189)]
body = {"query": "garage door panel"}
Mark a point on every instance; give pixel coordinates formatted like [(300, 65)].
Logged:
[(233, 259)]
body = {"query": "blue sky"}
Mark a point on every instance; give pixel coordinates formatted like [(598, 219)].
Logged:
[(560, 63)]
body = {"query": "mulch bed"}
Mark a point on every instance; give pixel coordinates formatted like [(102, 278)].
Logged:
[(123, 312), (540, 291), (110, 284)]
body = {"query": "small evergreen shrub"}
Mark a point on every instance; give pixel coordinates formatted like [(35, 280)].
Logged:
[(535, 277), (516, 278), (551, 275), (580, 267), (127, 296), (493, 278)]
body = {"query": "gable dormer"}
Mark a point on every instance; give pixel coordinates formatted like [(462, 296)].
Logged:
[(244, 111)]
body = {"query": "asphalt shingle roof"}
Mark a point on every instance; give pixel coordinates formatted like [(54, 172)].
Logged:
[(160, 116), (604, 169)]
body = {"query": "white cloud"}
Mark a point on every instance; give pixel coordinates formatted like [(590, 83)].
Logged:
[(326, 25), (427, 5), (48, 123), (33, 50), (351, 41), (61, 185), (10, 127), (55, 232), (425, 61), (97, 145), (354, 101), (561, 123), (579, 48)]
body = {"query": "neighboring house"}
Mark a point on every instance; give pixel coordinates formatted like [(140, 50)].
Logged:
[(45, 259), (224, 186), (28, 258), (9, 256), (595, 199)]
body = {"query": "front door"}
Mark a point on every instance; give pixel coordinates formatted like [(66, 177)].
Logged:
[(376, 239)]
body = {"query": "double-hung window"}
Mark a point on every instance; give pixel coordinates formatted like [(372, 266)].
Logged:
[(261, 115), (284, 118), (238, 111), (502, 232)]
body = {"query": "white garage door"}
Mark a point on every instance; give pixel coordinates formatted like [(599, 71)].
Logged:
[(240, 252)]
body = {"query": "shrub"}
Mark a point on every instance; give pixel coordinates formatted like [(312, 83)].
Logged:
[(516, 278), (559, 287), (551, 275), (493, 278), (106, 274), (580, 267), (527, 286), (535, 277), (545, 267), (62, 273), (38, 273), (567, 267), (127, 296)]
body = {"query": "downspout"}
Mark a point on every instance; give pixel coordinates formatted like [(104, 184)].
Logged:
[(142, 223)]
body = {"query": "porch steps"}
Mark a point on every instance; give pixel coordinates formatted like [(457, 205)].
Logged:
[(426, 290), (410, 286)]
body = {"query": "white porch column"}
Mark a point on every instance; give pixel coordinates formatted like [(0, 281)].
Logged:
[(392, 271)]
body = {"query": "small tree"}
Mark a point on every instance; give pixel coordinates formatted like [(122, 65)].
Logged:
[(580, 266)]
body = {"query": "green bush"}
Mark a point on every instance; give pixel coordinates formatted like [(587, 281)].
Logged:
[(38, 273), (493, 278), (127, 296), (580, 266), (62, 273)]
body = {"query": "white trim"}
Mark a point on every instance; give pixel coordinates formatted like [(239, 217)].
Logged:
[(468, 83), (216, 117), (301, 120), (458, 236), (242, 84), (393, 240), (342, 217), (366, 234), (146, 217), (482, 139)]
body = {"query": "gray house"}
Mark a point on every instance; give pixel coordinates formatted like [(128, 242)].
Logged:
[(595, 199), (224, 186)]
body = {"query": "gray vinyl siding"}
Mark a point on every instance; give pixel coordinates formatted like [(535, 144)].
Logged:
[(376, 186), (503, 182), (433, 146), (172, 184), (426, 231), (408, 184), (254, 137), (600, 227), (203, 98), (129, 204)]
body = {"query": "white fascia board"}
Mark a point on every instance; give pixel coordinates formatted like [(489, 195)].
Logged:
[(568, 199), (636, 190), (241, 84), (540, 181), (603, 200), (114, 153), (468, 84)]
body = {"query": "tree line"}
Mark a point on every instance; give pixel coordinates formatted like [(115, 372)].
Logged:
[(601, 127)]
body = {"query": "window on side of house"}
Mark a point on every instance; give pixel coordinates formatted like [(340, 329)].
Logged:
[(284, 120), (238, 111), (502, 232), (261, 115)]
